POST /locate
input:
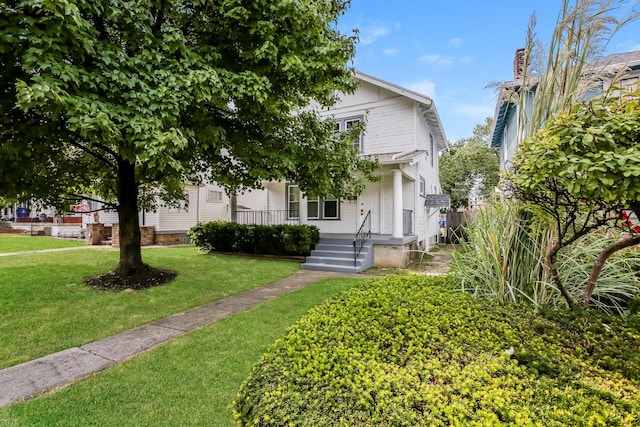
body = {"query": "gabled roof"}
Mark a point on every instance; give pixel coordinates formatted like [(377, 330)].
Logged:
[(630, 59), (505, 106), (427, 106)]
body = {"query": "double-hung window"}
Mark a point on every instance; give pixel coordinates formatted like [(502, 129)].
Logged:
[(343, 125), (316, 208), (214, 196), (323, 208), (293, 202)]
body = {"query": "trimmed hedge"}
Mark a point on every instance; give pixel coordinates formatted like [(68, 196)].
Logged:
[(220, 236), (407, 351)]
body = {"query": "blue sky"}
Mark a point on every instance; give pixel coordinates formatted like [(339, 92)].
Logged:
[(450, 50)]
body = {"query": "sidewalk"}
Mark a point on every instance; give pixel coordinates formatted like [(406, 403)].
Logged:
[(24, 381), (72, 248), (441, 262)]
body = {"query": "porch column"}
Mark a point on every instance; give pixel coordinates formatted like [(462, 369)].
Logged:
[(397, 203), (304, 209), (233, 207)]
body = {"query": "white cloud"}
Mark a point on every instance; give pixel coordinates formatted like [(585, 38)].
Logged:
[(425, 87), (391, 52), (456, 42), (436, 59), (373, 32), (443, 60)]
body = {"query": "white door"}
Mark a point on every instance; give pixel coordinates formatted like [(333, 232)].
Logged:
[(370, 201)]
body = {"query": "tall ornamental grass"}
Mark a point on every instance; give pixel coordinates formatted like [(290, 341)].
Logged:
[(502, 256), (503, 260), (618, 283)]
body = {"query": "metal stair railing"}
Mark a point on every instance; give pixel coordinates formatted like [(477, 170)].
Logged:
[(363, 234)]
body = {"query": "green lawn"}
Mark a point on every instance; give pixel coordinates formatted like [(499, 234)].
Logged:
[(189, 381), (45, 307), (19, 243)]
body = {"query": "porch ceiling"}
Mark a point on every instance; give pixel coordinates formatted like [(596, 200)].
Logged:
[(399, 158)]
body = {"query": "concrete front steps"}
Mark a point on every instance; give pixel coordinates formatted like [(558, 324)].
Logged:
[(336, 254)]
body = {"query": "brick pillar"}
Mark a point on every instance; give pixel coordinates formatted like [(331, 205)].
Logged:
[(94, 233), (147, 235), (115, 235)]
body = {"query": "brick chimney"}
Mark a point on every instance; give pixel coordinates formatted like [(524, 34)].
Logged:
[(518, 64)]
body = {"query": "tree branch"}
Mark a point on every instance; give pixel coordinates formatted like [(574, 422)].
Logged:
[(599, 264), (97, 154), (75, 197)]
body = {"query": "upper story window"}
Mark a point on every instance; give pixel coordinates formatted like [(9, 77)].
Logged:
[(346, 124)]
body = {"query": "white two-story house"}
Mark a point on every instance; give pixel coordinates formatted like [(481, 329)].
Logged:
[(390, 222), (404, 132)]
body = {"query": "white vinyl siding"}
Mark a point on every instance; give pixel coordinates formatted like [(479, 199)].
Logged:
[(390, 128), (390, 118), (183, 217)]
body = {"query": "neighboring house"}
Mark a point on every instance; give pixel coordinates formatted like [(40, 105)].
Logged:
[(504, 134), (404, 132), (168, 224)]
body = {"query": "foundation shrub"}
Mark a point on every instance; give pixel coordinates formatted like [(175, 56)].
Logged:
[(407, 351), (219, 236)]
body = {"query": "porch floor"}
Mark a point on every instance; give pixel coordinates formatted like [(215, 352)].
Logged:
[(376, 239)]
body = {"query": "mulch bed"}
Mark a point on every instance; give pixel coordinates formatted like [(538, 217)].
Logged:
[(148, 278)]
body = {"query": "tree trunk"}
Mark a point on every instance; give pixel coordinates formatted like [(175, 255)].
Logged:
[(599, 264), (129, 231), (552, 254)]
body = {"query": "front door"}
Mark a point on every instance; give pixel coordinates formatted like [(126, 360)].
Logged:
[(369, 201)]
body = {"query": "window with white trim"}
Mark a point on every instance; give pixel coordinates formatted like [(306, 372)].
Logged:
[(346, 124), (214, 196), (293, 201), (423, 187), (323, 209), (316, 208)]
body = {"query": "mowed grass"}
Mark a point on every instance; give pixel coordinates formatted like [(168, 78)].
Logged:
[(190, 381), (45, 307), (20, 243)]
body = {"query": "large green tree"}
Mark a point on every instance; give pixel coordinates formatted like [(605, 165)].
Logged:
[(127, 100), (470, 166)]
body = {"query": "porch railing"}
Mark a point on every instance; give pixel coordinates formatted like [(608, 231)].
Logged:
[(407, 222), (271, 217), (363, 234)]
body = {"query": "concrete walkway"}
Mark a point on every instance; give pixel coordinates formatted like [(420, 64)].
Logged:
[(72, 248), (24, 381), (441, 262)]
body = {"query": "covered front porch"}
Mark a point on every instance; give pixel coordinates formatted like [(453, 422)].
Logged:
[(387, 205)]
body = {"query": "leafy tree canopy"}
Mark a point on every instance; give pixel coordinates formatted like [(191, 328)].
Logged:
[(470, 166), (121, 99), (582, 169), (590, 153)]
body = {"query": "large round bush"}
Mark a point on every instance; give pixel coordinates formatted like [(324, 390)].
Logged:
[(413, 351)]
